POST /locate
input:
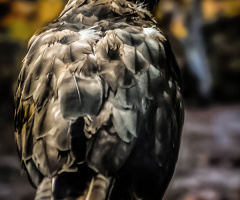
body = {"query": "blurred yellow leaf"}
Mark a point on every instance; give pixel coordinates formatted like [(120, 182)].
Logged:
[(162, 8), (211, 9), (23, 9), (49, 10), (20, 30), (232, 8), (178, 29)]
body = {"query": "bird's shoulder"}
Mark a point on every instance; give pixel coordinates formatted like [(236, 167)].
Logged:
[(37, 107)]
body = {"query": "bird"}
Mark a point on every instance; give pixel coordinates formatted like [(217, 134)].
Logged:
[(98, 104)]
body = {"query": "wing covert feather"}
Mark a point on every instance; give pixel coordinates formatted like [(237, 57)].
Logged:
[(41, 131)]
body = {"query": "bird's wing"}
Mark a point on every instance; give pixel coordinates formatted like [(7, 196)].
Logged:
[(142, 117), (42, 132), (143, 104)]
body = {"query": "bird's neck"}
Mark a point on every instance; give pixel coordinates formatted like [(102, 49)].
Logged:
[(87, 12), (149, 4)]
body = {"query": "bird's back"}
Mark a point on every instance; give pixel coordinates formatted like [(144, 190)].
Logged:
[(98, 104)]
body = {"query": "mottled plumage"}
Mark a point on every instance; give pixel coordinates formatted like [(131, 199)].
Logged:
[(98, 109)]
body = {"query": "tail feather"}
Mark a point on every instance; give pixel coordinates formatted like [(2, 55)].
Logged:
[(99, 188), (83, 184), (44, 190)]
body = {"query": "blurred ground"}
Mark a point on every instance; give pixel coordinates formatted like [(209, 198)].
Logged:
[(205, 37), (209, 161)]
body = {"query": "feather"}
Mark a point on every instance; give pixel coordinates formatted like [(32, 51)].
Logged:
[(99, 93), (134, 60), (90, 91)]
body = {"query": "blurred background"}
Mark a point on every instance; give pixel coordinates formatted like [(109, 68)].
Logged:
[(205, 37)]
